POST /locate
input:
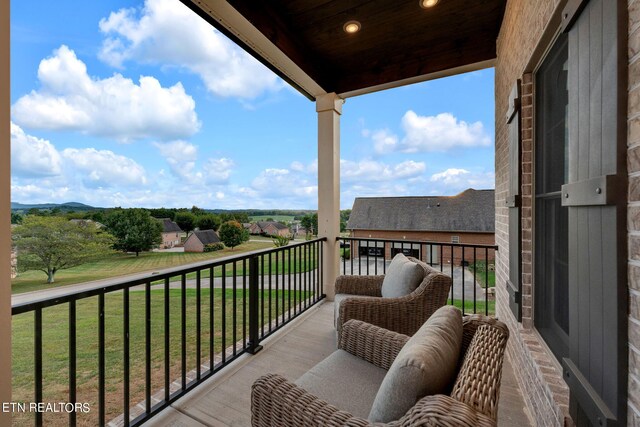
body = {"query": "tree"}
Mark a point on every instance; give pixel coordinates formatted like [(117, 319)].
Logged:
[(241, 217), (197, 211), (232, 233), (50, 244), (16, 218), (310, 222), (163, 213), (208, 222), (135, 230), (344, 218), (186, 221)]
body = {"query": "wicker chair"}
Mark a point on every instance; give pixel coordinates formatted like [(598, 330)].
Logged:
[(473, 400), (360, 297)]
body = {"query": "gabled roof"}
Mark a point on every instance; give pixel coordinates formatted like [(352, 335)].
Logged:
[(276, 224), (169, 226), (470, 211), (206, 236)]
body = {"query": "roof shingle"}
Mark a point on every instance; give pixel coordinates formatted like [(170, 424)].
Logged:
[(207, 236), (470, 211)]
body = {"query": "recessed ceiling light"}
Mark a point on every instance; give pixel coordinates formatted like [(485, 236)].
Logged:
[(428, 3), (351, 27)]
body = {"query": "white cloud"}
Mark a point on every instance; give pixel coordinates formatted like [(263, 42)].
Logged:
[(43, 191), (182, 158), (104, 168), (31, 156), (180, 155), (301, 167), (167, 32), (115, 107), (440, 133), (383, 141), (218, 171), (370, 170), (455, 179)]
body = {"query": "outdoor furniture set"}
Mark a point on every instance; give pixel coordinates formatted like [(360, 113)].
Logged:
[(403, 359)]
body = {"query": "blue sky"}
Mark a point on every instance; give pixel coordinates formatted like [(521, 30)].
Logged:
[(141, 103)]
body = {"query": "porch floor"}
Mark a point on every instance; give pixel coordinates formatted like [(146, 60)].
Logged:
[(225, 400)]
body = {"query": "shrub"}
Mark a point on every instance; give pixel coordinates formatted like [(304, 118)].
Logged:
[(212, 247), (346, 253), (280, 241)]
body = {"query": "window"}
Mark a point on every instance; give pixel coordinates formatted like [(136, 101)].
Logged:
[(551, 218), (455, 239)]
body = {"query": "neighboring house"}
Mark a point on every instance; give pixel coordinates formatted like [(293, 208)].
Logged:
[(468, 217), (300, 231), (171, 234), (270, 228), (198, 239), (83, 222)]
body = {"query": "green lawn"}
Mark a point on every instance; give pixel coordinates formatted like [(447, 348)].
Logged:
[(121, 264), (481, 273), (480, 306), (55, 347)]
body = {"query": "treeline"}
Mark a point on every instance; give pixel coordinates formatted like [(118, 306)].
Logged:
[(187, 219), (265, 212)]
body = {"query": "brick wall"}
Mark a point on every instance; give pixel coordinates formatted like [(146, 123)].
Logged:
[(633, 166), (538, 372)]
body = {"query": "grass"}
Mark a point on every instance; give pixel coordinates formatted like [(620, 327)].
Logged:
[(279, 218), (121, 264), (56, 356), (480, 268), (479, 308)]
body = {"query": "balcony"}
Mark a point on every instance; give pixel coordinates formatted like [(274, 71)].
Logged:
[(142, 350)]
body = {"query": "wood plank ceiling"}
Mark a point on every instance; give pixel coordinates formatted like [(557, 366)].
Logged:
[(398, 39)]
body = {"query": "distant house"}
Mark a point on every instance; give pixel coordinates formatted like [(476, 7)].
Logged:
[(84, 222), (270, 228), (468, 217), (199, 239), (171, 233), (300, 231)]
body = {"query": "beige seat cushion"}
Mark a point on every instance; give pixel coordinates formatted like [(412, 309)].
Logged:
[(426, 365), (402, 277), (345, 381)]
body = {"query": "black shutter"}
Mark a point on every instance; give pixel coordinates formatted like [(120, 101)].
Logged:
[(596, 369), (513, 203)]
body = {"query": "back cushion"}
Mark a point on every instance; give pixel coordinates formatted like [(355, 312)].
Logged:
[(403, 277), (426, 365)]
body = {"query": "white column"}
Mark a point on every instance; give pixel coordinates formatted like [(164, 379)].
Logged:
[(5, 216), (329, 108)]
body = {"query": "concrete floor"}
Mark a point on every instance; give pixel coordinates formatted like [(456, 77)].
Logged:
[(225, 400)]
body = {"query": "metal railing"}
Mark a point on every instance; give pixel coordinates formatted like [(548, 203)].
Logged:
[(471, 266), (239, 301)]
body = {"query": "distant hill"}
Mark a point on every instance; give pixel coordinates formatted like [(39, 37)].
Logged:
[(69, 206)]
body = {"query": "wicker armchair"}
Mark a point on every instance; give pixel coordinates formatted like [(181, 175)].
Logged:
[(473, 400), (360, 297)]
